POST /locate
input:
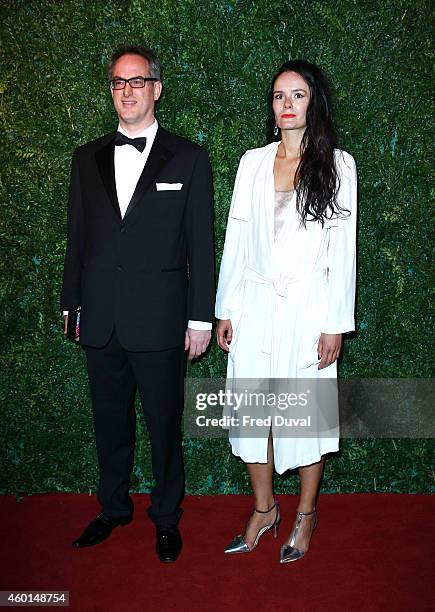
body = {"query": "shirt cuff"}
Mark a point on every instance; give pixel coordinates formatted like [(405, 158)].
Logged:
[(200, 325), (65, 312)]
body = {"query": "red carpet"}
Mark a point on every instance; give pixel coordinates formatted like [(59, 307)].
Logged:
[(369, 552)]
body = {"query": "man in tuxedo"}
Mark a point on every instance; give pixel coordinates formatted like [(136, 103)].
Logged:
[(140, 264)]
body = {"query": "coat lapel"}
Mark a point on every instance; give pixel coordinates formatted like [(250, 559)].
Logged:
[(158, 157), (106, 166)]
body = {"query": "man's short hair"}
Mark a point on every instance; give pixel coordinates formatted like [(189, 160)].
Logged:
[(147, 54)]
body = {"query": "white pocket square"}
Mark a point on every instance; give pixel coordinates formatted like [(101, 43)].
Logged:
[(169, 186)]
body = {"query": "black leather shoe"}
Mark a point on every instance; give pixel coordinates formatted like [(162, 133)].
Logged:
[(169, 543), (99, 530)]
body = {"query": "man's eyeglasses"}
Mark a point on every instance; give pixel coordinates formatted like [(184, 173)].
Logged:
[(135, 82)]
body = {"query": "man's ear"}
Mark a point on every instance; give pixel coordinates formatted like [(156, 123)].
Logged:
[(157, 90)]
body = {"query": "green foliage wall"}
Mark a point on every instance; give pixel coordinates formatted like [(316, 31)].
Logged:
[(218, 57)]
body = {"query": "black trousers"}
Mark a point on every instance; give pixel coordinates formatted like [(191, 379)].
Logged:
[(114, 375)]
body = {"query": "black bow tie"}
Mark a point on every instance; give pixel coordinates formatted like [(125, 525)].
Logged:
[(137, 143)]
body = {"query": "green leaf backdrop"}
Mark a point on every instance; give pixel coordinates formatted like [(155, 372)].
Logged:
[(218, 57)]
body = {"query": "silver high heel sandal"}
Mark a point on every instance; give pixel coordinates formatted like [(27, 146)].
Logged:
[(288, 551), (238, 545)]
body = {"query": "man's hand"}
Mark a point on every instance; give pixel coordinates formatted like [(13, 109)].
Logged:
[(65, 327), (196, 342), (328, 349), (224, 334)]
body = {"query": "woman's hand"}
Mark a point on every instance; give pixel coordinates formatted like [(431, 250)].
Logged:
[(224, 334), (328, 349)]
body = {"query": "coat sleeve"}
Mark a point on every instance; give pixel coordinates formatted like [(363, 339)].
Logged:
[(234, 253), (342, 253), (71, 287), (200, 241)]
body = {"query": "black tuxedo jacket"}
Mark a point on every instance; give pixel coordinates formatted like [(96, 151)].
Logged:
[(152, 271)]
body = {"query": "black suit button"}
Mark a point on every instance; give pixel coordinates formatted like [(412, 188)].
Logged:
[(123, 229), (120, 268)]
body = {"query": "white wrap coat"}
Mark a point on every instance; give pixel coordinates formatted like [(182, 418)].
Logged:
[(281, 295)]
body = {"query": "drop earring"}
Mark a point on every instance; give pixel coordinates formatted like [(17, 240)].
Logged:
[(275, 130)]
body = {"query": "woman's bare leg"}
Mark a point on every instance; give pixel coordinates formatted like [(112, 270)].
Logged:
[(309, 476), (261, 475)]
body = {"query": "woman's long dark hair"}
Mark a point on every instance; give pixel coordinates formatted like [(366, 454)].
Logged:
[(316, 177)]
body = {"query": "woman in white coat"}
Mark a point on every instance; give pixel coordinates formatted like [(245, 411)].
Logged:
[(286, 288)]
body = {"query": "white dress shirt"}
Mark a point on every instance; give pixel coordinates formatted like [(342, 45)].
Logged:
[(129, 165)]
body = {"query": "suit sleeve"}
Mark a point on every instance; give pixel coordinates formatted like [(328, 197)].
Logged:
[(234, 254), (200, 241), (71, 287), (342, 253)]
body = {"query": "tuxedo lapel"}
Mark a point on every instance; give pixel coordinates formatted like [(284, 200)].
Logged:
[(106, 166), (158, 157)]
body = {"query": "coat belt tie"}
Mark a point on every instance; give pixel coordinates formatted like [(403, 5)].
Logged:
[(278, 290)]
